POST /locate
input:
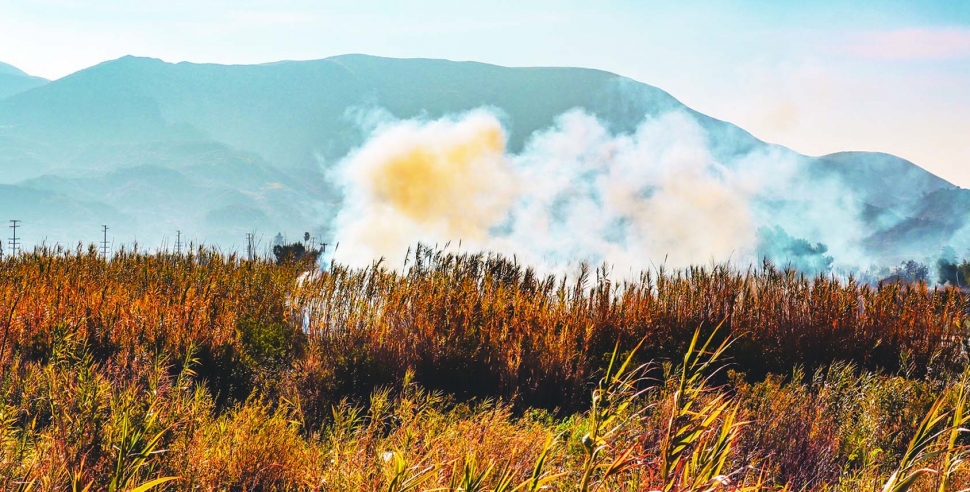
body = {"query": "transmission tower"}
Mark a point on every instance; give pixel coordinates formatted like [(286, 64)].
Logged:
[(178, 242), (104, 242), (14, 241), (250, 247)]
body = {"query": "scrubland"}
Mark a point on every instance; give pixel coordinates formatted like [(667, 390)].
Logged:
[(204, 371)]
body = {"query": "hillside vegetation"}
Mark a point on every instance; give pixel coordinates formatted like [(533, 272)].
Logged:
[(470, 372)]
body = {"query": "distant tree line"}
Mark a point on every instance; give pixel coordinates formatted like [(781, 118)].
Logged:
[(780, 248)]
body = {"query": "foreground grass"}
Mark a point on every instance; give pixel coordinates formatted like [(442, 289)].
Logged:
[(470, 373)]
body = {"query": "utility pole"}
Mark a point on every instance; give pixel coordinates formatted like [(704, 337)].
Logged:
[(104, 242), (14, 242)]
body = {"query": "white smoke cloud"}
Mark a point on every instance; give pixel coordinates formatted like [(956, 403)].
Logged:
[(627, 200), (577, 192)]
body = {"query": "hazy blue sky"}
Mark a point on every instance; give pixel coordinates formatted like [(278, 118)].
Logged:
[(817, 76)]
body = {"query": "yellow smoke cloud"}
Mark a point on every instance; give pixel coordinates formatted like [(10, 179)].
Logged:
[(446, 180), (440, 180)]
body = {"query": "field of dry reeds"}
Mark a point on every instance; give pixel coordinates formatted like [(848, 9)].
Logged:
[(203, 371)]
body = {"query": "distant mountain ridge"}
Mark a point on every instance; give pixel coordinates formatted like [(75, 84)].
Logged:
[(7, 69), (284, 110), (251, 138), (14, 81)]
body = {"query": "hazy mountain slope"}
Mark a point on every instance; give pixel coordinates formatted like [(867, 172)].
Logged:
[(531, 97), (93, 105), (144, 113), (888, 180), (290, 112), (22, 158), (14, 81), (926, 224), (204, 189), (7, 69), (232, 148), (44, 213)]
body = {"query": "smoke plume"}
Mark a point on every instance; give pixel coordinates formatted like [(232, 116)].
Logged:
[(425, 182), (578, 192)]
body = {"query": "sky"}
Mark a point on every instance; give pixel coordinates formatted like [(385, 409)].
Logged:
[(818, 77)]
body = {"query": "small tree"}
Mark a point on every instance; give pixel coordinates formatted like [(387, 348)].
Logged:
[(948, 272), (912, 271), (953, 273), (294, 253)]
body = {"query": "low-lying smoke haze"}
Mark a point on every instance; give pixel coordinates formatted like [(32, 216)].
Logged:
[(579, 192)]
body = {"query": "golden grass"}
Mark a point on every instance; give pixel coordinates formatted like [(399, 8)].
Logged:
[(470, 372)]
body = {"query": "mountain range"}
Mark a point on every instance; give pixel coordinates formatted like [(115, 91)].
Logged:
[(14, 81), (217, 151)]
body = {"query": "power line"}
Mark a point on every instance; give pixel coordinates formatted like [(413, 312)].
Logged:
[(14, 241), (104, 242), (251, 246)]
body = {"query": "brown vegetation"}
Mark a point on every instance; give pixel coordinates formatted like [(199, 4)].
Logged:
[(470, 372)]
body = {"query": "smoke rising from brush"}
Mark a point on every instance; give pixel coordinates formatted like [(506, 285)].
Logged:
[(424, 182), (578, 192)]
